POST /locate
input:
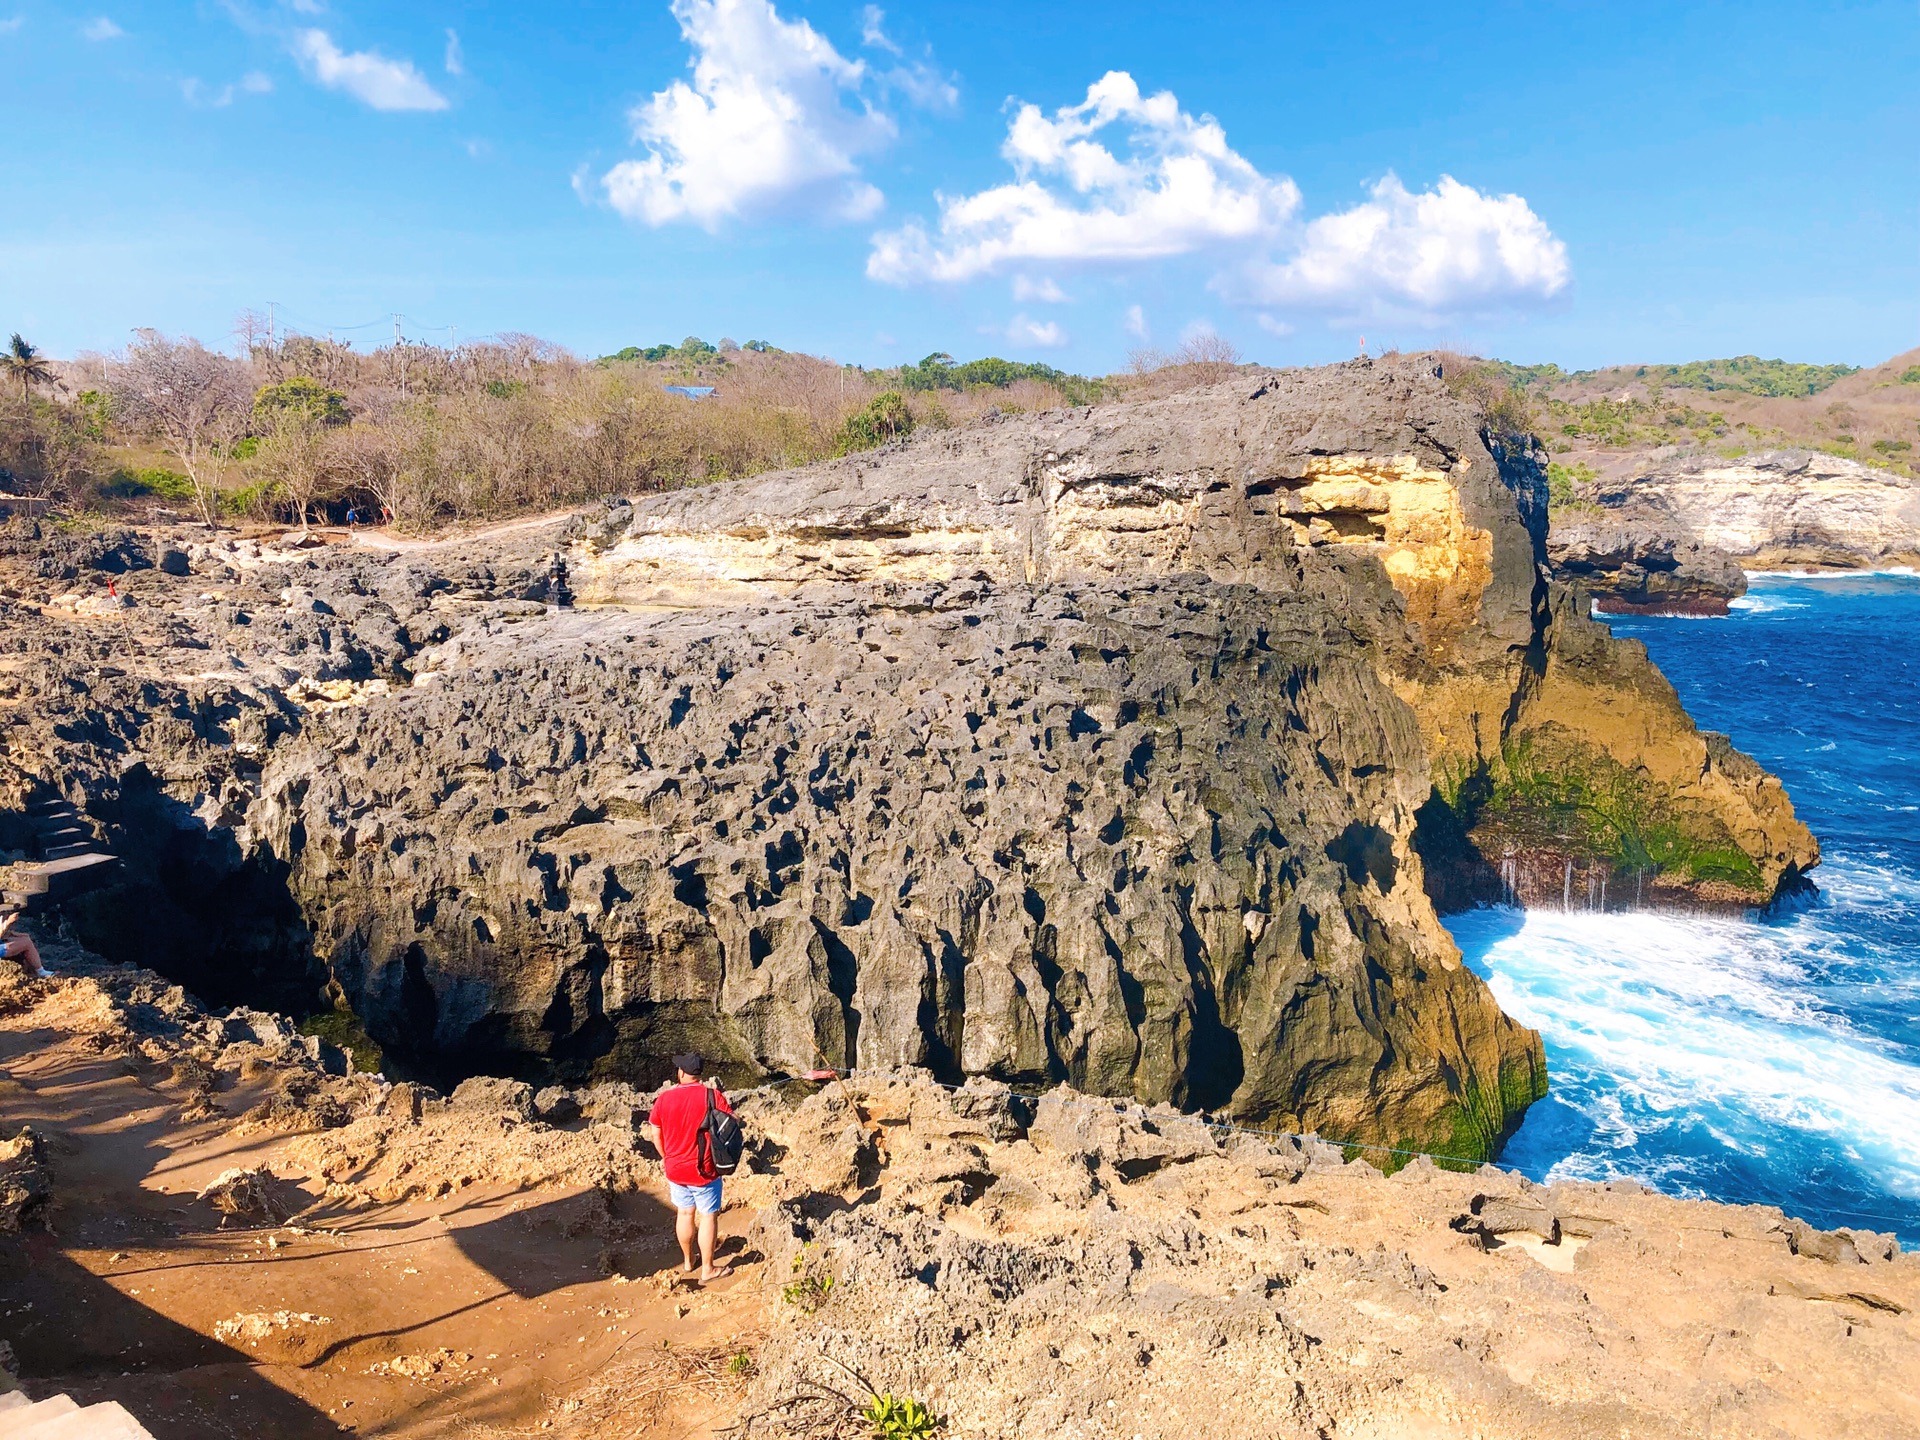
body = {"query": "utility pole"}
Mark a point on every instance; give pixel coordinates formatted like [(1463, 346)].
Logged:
[(270, 341), (400, 349)]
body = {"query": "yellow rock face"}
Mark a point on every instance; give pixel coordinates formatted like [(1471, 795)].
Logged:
[(1412, 516), (1077, 524)]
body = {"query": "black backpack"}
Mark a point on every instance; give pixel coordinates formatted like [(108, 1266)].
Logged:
[(721, 1138)]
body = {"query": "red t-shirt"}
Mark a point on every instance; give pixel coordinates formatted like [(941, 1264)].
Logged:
[(677, 1117)]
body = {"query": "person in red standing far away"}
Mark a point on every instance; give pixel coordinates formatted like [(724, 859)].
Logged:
[(679, 1128)]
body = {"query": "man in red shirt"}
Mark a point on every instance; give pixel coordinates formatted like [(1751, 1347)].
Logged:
[(679, 1123)]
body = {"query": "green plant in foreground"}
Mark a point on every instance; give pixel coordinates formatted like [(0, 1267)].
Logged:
[(741, 1364), (900, 1417), (811, 1285)]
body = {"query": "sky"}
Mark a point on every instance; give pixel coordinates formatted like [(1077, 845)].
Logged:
[(1581, 183)]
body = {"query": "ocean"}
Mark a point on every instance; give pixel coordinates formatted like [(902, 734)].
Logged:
[(1775, 1058)]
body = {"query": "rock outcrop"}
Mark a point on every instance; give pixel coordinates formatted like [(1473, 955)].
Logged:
[(1127, 747), (1782, 510), (1022, 1263), (1641, 562)]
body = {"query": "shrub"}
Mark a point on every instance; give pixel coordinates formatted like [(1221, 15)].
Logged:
[(884, 418), (126, 484), (1910, 375), (1563, 482), (302, 396), (811, 1285), (1748, 374), (900, 1417)]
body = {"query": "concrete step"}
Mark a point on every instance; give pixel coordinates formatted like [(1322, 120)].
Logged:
[(68, 851), (110, 1421), (19, 1421), (60, 879)]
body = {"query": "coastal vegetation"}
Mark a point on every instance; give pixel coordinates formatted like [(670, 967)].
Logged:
[(296, 428), (1544, 794)]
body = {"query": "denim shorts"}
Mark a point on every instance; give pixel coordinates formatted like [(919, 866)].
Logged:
[(704, 1198)]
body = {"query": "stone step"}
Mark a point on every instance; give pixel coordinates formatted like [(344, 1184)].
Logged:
[(22, 1418), (68, 1421), (59, 879), (69, 850)]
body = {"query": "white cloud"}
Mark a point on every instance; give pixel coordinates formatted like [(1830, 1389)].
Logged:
[(8, 26), (1027, 288), (101, 29), (367, 75), (1178, 188), (1272, 325), (1024, 331), (201, 97), (1447, 250), (195, 92), (774, 119), (1136, 322), (456, 61), (873, 32), (919, 80), (1125, 178)]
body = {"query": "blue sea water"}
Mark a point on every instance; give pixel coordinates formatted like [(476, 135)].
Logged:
[(1775, 1058)]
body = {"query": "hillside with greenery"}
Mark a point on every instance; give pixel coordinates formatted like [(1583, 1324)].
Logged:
[(294, 428)]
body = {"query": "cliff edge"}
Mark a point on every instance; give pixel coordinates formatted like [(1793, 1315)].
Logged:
[(1130, 748)]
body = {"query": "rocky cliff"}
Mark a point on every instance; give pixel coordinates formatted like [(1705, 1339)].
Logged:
[(1640, 562), (1128, 747), (1785, 509)]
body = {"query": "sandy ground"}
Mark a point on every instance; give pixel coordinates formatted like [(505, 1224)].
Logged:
[(497, 1301)]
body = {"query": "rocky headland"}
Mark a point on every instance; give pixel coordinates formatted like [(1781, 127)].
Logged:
[(1675, 535), (1137, 748)]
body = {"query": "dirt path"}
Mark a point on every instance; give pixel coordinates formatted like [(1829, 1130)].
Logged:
[(487, 1312), (387, 540)]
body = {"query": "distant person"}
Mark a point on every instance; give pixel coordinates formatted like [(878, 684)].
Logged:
[(21, 948), (679, 1122)]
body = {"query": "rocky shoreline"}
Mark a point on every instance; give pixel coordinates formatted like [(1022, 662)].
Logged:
[(1136, 748)]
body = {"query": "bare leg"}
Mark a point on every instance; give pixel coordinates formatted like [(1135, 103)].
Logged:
[(683, 1228), (709, 1233), (22, 948)]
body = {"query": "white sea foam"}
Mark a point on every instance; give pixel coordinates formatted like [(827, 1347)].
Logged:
[(1671, 1021), (1764, 604), (1902, 570)]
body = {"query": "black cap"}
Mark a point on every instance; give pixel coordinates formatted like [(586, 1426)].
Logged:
[(691, 1063)]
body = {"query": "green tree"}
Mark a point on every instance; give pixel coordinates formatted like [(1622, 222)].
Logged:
[(26, 365), (883, 418), (299, 396)]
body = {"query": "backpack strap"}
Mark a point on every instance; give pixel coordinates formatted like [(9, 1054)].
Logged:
[(704, 1137)]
